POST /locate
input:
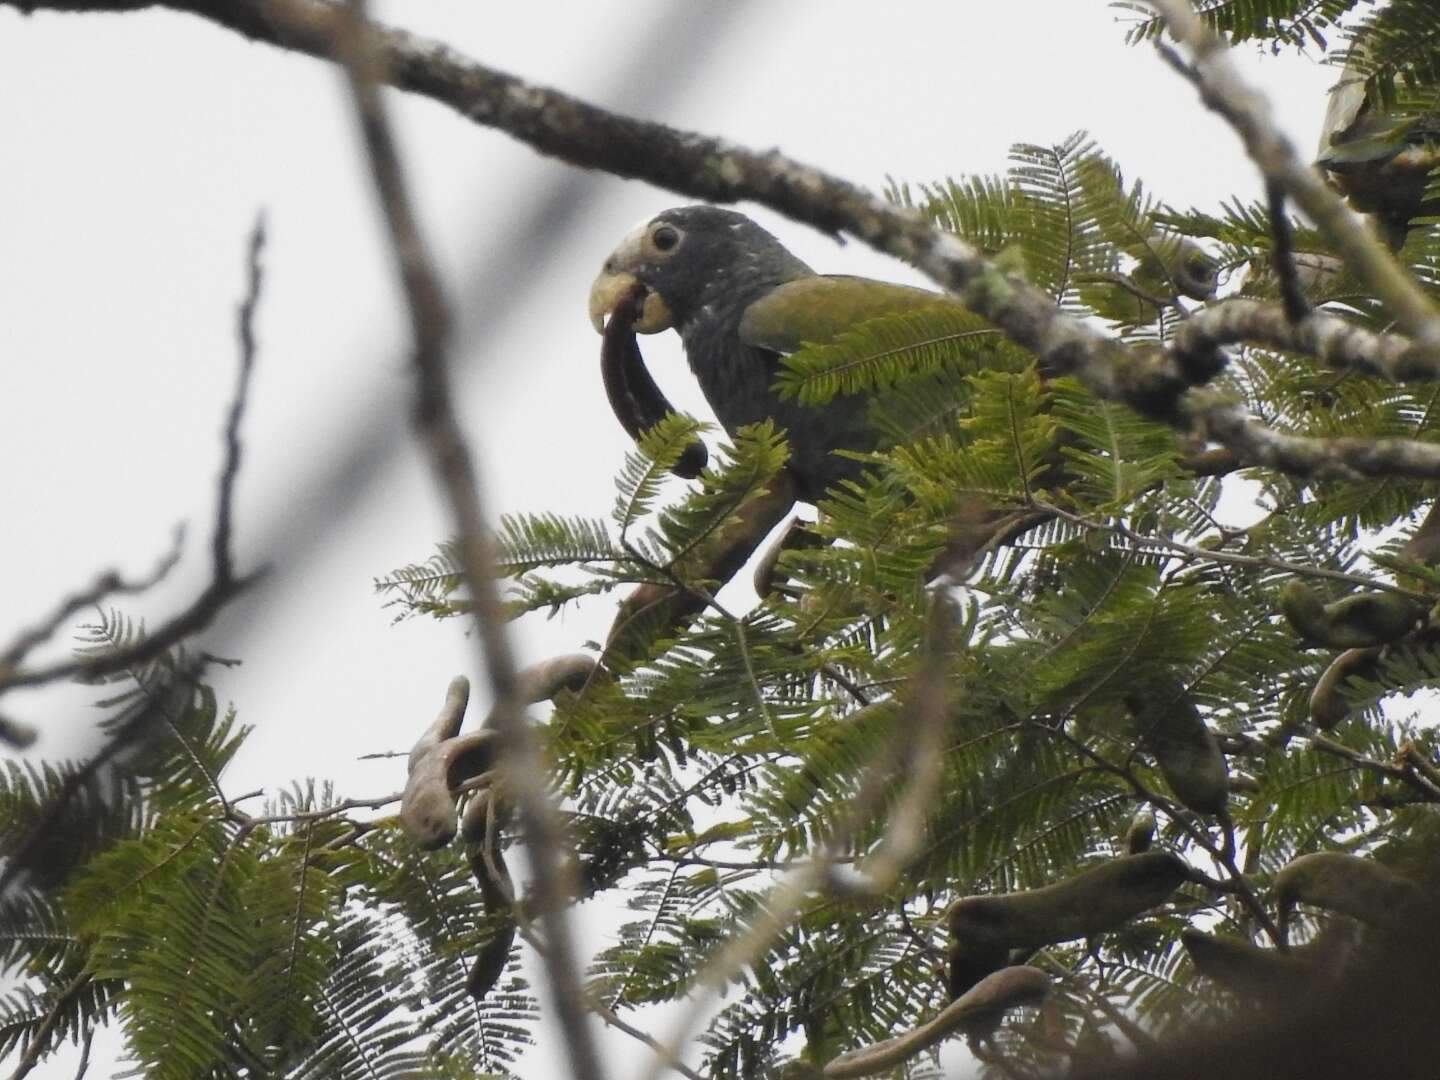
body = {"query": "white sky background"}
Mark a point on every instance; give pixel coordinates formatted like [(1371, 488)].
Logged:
[(136, 152)]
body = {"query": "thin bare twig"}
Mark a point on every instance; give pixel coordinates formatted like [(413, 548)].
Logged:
[(438, 430), (614, 1020), (108, 583), (224, 585), (1421, 783)]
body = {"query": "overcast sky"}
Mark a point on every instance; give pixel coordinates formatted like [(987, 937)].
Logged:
[(139, 148)]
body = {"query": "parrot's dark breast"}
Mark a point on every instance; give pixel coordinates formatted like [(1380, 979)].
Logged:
[(737, 381)]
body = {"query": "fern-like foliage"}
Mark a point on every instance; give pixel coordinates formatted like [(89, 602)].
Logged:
[(280, 942), (1278, 23), (299, 940)]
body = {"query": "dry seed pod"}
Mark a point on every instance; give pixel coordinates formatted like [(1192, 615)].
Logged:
[(442, 759), (1272, 976), (796, 536), (1242, 782), (1353, 622), (1246, 969), (637, 402), (475, 822), (1171, 728), (1383, 163), (447, 723), (1094, 900), (988, 1000), (427, 809), (1327, 705), (1140, 833), (497, 892), (1350, 885), (542, 681)]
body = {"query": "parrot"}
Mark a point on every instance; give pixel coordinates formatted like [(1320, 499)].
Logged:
[(1382, 163), (740, 301)]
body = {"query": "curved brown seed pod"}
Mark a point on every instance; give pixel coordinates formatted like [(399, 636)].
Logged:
[(1171, 728), (636, 401), (1246, 969), (990, 998), (1327, 704), (542, 681), (442, 760), (1353, 622), (1094, 900), (1349, 884), (427, 808), (447, 723), (497, 891)]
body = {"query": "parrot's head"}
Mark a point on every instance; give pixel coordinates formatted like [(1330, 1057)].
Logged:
[(688, 260)]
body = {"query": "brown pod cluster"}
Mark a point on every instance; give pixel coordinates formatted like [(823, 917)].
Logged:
[(984, 928), (1327, 703), (1170, 727), (443, 759), (638, 403), (1349, 885), (1278, 980), (983, 1004), (1246, 969)]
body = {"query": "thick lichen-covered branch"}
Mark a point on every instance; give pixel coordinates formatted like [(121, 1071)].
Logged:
[(1157, 382), (1334, 341)]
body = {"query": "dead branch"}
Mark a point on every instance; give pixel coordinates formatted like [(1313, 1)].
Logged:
[(224, 585), (438, 430)]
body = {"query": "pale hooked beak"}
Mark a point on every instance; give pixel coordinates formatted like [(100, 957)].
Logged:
[(616, 281), (610, 287)]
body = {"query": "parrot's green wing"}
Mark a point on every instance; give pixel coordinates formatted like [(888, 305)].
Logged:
[(816, 310)]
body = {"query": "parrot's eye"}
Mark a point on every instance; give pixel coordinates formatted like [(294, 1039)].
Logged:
[(665, 237)]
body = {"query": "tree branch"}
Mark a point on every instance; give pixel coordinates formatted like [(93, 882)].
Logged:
[(1156, 382), (438, 430), (1335, 342), (108, 583), (223, 586), (1223, 90)]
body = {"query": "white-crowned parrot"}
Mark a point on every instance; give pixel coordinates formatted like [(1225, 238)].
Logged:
[(739, 301)]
